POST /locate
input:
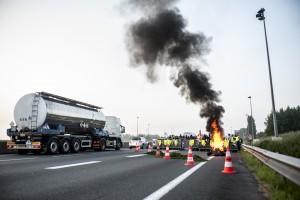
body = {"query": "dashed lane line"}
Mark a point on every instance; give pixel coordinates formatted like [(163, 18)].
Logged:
[(136, 156), (16, 159), (73, 165)]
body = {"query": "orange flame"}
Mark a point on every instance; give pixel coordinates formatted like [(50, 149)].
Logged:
[(217, 141)]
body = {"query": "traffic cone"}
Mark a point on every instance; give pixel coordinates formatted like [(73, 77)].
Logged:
[(157, 152), (149, 148), (228, 169), (137, 148), (190, 160), (167, 154)]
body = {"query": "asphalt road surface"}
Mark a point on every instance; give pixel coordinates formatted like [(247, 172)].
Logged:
[(123, 174)]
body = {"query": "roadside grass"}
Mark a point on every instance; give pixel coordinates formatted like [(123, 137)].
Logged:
[(276, 186), (176, 155), (289, 145)]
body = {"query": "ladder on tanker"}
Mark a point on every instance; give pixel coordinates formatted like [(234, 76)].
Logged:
[(34, 112)]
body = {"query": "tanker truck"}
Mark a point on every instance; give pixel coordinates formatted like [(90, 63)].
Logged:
[(53, 124)]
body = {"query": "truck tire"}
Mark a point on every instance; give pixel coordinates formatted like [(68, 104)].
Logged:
[(102, 145), (75, 147), (65, 146), (118, 145), (52, 147), (23, 151)]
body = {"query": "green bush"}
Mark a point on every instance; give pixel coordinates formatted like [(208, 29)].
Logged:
[(289, 145), (176, 155)]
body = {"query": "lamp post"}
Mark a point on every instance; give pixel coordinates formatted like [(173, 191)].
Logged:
[(247, 125), (137, 126), (148, 129), (252, 121), (260, 16)]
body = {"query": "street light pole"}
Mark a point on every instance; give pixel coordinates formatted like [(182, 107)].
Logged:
[(247, 126), (137, 126), (148, 129), (252, 121), (261, 17)]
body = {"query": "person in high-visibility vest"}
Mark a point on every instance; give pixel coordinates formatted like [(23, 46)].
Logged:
[(235, 139), (226, 143), (238, 142)]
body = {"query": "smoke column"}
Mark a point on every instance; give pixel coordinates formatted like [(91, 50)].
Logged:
[(158, 39)]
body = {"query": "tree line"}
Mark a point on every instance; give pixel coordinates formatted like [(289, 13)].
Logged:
[(287, 120)]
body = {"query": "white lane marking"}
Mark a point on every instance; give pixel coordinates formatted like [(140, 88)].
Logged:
[(165, 189), (73, 165), (136, 156), (18, 159), (210, 157), (68, 155)]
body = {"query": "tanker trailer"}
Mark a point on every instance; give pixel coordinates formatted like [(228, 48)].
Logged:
[(51, 123)]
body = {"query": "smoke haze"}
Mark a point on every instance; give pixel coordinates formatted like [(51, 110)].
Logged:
[(160, 39)]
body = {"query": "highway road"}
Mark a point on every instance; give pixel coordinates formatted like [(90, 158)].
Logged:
[(123, 174)]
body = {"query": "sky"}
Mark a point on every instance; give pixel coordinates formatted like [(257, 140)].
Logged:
[(76, 49)]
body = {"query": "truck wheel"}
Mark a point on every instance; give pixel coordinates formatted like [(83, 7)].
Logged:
[(102, 145), (75, 146), (22, 151), (65, 146), (52, 146), (118, 145)]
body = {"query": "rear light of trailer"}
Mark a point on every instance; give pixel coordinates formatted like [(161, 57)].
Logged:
[(10, 145), (36, 145)]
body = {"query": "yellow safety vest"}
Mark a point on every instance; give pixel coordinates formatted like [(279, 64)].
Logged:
[(176, 143), (168, 142), (191, 143), (203, 142), (234, 139), (226, 143), (159, 142)]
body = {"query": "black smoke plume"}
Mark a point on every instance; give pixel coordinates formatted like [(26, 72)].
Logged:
[(159, 38)]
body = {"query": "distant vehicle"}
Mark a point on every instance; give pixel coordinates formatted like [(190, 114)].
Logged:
[(138, 141), (189, 134)]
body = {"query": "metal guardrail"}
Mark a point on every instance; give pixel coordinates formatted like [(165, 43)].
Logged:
[(287, 166)]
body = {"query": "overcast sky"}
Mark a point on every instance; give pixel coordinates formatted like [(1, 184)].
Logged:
[(76, 49)]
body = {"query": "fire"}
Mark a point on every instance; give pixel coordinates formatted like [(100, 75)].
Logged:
[(217, 141)]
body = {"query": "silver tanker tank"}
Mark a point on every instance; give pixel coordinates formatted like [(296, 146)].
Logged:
[(44, 109)]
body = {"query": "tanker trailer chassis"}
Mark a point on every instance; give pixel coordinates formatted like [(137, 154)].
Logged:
[(53, 141)]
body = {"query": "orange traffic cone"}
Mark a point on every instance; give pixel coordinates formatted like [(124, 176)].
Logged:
[(228, 169), (149, 148), (167, 154), (190, 160), (157, 152), (137, 148)]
